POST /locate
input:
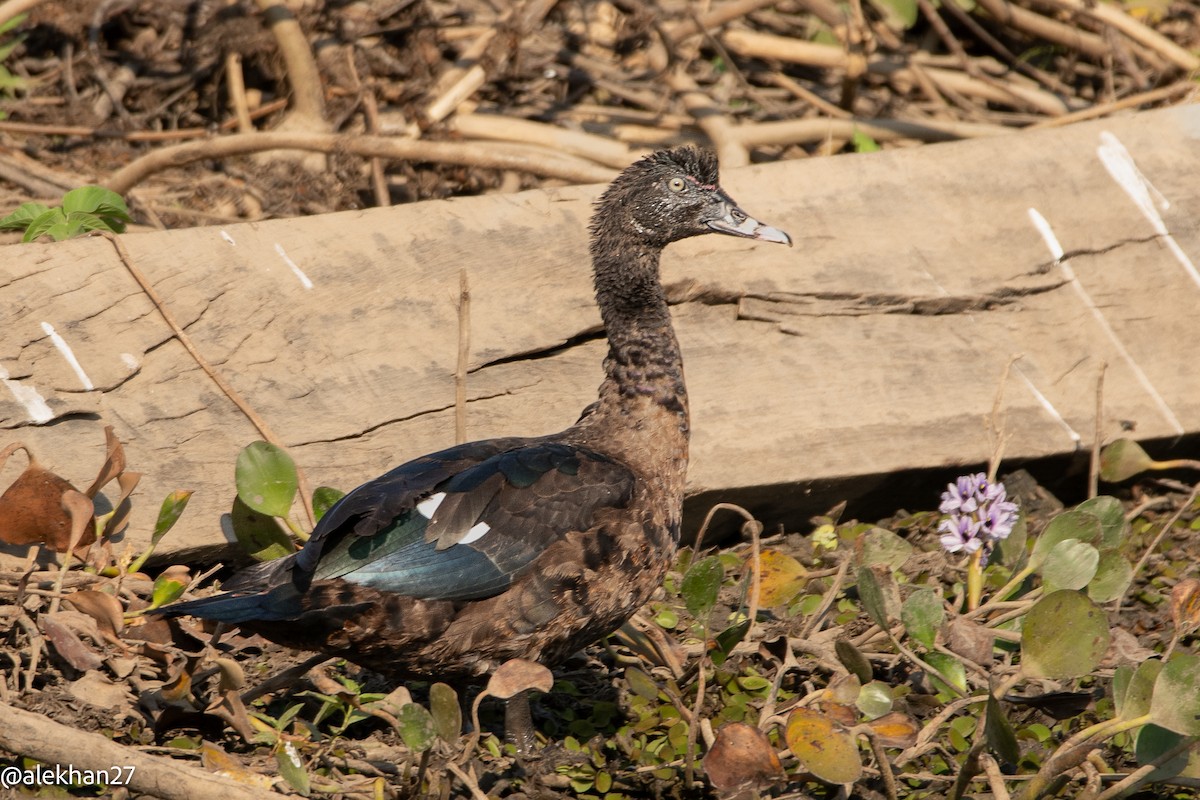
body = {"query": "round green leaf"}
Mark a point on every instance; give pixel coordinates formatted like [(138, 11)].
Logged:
[(1123, 459), (1065, 635), (922, 615), (826, 750), (1068, 525), (323, 499), (1112, 519), (1154, 742), (1132, 696), (266, 479), (701, 585), (880, 546), (1070, 565), (949, 666), (446, 711), (258, 534), (874, 699), (1176, 701), (416, 727), (1113, 576)]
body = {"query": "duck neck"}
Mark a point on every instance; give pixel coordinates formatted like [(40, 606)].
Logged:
[(643, 383)]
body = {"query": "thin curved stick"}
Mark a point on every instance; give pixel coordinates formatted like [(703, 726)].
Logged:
[(520, 158)]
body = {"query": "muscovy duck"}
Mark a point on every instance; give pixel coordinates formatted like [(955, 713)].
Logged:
[(451, 564)]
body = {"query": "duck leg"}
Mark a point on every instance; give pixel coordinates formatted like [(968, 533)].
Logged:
[(518, 723)]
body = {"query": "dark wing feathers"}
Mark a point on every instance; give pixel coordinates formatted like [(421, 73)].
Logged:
[(493, 520), (502, 504), (377, 504)]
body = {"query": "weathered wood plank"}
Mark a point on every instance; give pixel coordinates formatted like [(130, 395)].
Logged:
[(875, 345)]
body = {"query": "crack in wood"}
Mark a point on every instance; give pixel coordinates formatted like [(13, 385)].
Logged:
[(416, 415)]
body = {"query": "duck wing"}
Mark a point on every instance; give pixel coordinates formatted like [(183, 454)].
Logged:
[(461, 524)]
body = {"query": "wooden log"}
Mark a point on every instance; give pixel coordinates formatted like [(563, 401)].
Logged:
[(875, 345)]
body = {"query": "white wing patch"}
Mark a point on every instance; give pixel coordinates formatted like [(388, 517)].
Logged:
[(476, 533), (430, 504)]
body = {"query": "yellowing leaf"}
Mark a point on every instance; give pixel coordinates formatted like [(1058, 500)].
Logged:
[(827, 751), (781, 578)]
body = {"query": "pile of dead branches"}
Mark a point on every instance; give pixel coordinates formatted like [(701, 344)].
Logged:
[(394, 101)]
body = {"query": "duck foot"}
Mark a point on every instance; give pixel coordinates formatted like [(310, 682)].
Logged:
[(518, 724)]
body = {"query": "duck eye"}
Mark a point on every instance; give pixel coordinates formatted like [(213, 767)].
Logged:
[(675, 185)]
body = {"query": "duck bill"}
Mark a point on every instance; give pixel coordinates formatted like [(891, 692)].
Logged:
[(736, 222)]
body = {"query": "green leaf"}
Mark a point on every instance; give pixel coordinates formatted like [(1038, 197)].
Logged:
[(1176, 701), (701, 585), (881, 547), (1070, 565), (1152, 743), (323, 499), (166, 590), (1073, 524), (168, 514), (879, 593), (416, 727), (43, 223), (1132, 700), (899, 15), (1114, 573), (853, 660), (729, 638), (874, 699), (266, 479), (446, 711), (96, 200), (1112, 519), (257, 534), (863, 143), (1123, 459), (1065, 635), (999, 732), (26, 213), (922, 615), (641, 683), (292, 770), (949, 666)]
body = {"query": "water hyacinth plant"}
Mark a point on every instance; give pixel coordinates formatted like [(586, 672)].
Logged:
[(978, 514)]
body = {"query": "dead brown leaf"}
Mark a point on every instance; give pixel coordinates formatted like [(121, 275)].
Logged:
[(67, 643), (741, 757)]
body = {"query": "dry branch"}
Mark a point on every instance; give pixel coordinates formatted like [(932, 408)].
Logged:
[(1147, 37), (885, 130), (42, 739), (509, 129), (521, 158)]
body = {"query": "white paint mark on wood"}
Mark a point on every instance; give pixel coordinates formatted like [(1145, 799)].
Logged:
[(225, 235), (27, 396), (1043, 227), (476, 533), (65, 349), (304, 281), (1043, 401), (1125, 172), (1046, 404), (430, 504)]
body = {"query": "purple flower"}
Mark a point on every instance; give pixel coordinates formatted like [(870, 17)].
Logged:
[(978, 514)]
